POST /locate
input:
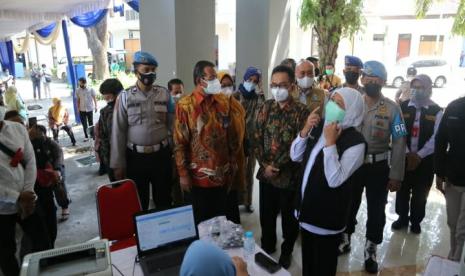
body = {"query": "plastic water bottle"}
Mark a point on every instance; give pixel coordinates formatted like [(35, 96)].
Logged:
[(249, 248)]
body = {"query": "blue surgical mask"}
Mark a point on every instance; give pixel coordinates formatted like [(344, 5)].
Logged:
[(249, 86), (334, 113), (418, 94)]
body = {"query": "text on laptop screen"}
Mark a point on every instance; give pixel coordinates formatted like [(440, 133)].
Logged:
[(161, 228)]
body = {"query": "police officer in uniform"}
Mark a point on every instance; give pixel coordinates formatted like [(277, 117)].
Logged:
[(139, 142), (352, 71), (383, 171)]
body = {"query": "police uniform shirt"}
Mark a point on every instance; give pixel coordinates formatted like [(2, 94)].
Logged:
[(383, 128), (140, 118)]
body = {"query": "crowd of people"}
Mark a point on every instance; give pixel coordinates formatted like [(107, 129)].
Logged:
[(318, 143)]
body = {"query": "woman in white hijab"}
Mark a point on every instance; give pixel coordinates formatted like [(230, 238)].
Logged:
[(330, 152)]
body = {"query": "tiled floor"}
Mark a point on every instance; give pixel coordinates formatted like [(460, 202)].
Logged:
[(401, 253)]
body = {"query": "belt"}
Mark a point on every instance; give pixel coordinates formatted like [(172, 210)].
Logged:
[(373, 158), (148, 149)]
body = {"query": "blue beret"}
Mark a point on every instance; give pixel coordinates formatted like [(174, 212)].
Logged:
[(353, 61), (141, 57), (375, 68), (252, 71)]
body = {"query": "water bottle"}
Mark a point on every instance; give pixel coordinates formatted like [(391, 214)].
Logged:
[(249, 248)]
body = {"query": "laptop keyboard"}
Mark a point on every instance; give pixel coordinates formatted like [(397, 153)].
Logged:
[(158, 263)]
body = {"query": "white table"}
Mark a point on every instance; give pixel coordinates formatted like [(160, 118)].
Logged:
[(124, 260), (439, 266)]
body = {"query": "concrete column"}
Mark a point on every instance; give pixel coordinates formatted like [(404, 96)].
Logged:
[(262, 35), (179, 33)]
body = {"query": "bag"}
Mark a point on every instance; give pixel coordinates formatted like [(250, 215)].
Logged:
[(48, 79), (13, 155)]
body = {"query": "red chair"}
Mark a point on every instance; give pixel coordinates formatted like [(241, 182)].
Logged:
[(117, 202)]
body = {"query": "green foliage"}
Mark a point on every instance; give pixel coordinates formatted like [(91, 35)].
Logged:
[(126, 80), (342, 15), (423, 6)]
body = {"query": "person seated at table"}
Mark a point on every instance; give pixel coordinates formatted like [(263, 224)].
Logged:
[(206, 259), (58, 119)]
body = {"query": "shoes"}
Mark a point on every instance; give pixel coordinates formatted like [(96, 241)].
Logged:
[(269, 251), (371, 266), (285, 260), (399, 224), (85, 140), (415, 229), (344, 246), (249, 209)]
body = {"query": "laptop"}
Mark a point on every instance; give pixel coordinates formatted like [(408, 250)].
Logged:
[(163, 238)]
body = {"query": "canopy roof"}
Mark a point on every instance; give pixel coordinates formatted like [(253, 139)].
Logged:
[(20, 15)]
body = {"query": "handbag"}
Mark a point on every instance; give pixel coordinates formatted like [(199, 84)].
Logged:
[(12, 154)]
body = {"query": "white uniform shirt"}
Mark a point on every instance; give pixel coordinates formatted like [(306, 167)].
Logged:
[(14, 180), (337, 171), (86, 99)]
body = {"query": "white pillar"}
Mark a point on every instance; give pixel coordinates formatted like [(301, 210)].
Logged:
[(262, 35), (179, 33)]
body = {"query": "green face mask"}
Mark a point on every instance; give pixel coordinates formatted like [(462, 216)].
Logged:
[(329, 72), (333, 113)]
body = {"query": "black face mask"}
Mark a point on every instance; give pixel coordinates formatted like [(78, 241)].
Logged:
[(317, 72), (82, 86), (373, 89), (351, 77), (148, 78)]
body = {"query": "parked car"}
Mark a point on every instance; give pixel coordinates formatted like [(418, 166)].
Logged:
[(435, 67), (63, 65)]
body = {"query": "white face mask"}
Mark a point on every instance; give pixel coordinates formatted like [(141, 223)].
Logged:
[(279, 94), (178, 96), (249, 86), (2, 113), (305, 82), (213, 87), (228, 90)]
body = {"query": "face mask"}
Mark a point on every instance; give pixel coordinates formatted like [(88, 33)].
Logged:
[(373, 89), (82, 86), (351, 77), (2, 113), (249, 86), (334, 113), (317, 72), (329, 72), (279, 94), (418, 94), (178, 96), (228, 90), (213, 87), (305, 82), (148, 78)]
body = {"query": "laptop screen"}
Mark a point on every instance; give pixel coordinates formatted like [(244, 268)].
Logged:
[(156, 229)]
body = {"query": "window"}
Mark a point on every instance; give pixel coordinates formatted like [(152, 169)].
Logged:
[(378, 37), (131, 15), (431, 45)]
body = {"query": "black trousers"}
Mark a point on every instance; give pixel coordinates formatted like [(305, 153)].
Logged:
[(47, 211), (414, 191), (212, 202), (87, 119), (272, 202), (151, 169), (319, 254), (67, 129), (373, 177), (32, 226), (36, 89)]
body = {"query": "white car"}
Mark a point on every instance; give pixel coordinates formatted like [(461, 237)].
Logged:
[(434, 67)]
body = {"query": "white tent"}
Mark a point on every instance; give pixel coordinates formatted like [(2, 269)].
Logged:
[(20, 15)]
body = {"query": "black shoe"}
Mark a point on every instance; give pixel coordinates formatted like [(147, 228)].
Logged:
[(399, 224), (371, 266), (269, 251), (285, 260), (249, 209), (415, 229), (344, 246)]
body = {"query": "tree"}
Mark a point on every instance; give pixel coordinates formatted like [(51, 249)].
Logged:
[(331, 20), (422, 7), (97, 40)]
